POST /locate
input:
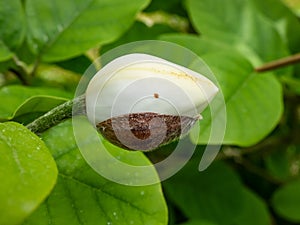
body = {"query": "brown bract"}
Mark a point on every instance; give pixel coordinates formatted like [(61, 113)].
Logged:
[(144, 131)]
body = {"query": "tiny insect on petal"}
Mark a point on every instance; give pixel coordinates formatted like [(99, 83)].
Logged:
[(156, 95)]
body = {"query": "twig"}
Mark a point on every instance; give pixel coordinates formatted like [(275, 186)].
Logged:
[(279, 63)]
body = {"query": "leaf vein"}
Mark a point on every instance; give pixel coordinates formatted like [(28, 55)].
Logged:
[(73, 203), (98, 189)]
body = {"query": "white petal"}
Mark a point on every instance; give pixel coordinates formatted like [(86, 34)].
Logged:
[(143, 83)]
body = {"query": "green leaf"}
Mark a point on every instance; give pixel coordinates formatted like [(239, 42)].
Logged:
[(286, 201), (215, 195), (292, 83), (294, 5), (27, 173), (81, 196), (139, 31), (5, 53), (209, 197), (58, 77), (199, 45), (280, 163), (255, 211), (4, 65), (12, 27), (198, 222), (170, 6), (18, 100), (36, 106), (77, 65), (286, 23), (238, 24), (62, 29), (253, 101)]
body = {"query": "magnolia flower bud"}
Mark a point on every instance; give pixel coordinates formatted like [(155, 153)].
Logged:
[(140, 102)]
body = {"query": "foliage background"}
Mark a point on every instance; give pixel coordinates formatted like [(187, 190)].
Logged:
[(45, 47)]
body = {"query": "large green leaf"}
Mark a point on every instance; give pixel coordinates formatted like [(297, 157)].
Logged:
[(239, 24), (198, 222), (253, 101), (255, 211), (283, 19), (12, 27), (282, 160), (294, 5), (214, 195), (18, 100), (58, 77), (5, 53), (286, 201), (63, 29), (27, 173), (81, 196), (77, 65), (35, 107), (139, 31), (293, 83), (170, 6)]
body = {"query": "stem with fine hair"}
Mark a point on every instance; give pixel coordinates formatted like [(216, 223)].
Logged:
[(58, 114)]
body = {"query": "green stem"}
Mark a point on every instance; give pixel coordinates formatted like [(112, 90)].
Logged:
[(64, 111)]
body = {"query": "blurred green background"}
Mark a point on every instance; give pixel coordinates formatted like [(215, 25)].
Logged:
[(45, 48)]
